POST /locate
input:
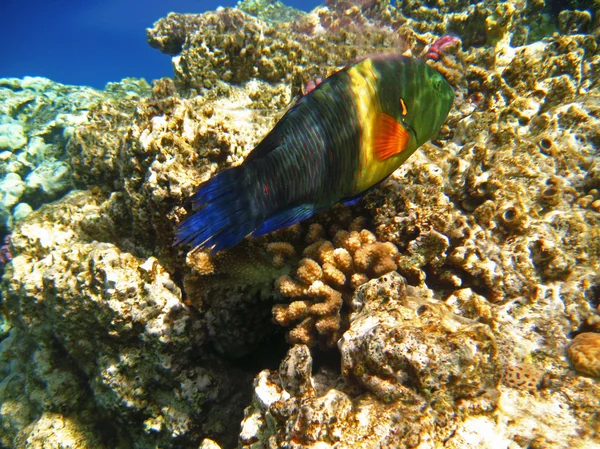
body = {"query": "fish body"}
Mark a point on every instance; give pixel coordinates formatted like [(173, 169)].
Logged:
[(341, 139)]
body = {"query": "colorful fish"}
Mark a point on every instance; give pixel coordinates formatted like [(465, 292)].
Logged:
[(337, 142)]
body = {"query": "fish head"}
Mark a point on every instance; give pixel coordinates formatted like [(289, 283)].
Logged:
[(426, 100), (414, 94)]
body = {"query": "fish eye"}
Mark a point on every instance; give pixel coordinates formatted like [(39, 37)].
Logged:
[(437, 83)]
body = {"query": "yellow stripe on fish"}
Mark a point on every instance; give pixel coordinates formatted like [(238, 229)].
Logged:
[(383, 139)]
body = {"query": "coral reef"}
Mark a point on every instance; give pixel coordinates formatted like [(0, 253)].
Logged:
[(98, 332), (110, 337), (232, 46), (229, 45), (411, 397), (37, 118)]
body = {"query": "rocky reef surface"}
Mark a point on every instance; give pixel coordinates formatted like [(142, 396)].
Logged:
[(458, 305), (37, 118)]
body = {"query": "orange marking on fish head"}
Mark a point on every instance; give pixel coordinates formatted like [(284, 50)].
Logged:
[(403, 105)]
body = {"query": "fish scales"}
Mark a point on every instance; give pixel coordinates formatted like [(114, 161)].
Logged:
[(335, 144), (329, 131), (303, 169)]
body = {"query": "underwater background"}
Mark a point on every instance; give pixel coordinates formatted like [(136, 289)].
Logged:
[(91, 43), (457, 305)]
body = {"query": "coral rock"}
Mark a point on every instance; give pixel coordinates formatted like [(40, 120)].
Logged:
[(584, 353), (401, 343), (90, 314)]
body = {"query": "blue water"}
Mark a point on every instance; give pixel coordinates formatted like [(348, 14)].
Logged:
[(90, 42)]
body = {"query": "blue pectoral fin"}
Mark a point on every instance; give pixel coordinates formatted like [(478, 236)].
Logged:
[(285, 218), (352, 201), (355, 199)]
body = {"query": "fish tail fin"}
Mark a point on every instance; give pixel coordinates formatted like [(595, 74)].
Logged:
[(225, 212)]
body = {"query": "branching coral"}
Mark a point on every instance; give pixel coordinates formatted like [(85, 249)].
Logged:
[(325, 280)]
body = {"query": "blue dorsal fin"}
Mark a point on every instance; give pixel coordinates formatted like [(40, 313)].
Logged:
[(285, 218)]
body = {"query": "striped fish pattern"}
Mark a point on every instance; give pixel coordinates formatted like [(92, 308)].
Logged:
[(335, 144)]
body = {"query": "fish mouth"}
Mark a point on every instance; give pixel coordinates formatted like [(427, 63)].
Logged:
[(414, 134)]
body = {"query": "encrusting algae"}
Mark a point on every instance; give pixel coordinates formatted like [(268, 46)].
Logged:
[(483, 329)]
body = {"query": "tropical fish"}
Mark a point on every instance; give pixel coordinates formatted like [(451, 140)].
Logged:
[(337, 142)]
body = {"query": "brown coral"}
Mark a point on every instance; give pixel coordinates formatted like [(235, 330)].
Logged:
[(94, 147), (230, 289), (232, 46), (522, 376), (325, 280), (584, 353)]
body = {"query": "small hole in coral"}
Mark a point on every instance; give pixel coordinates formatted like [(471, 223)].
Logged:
[(593, 295), (483, 188), (550, 192), (509, 214), (421, 310), (545, 143)]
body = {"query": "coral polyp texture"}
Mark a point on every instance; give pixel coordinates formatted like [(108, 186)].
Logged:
[(457, 305)]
